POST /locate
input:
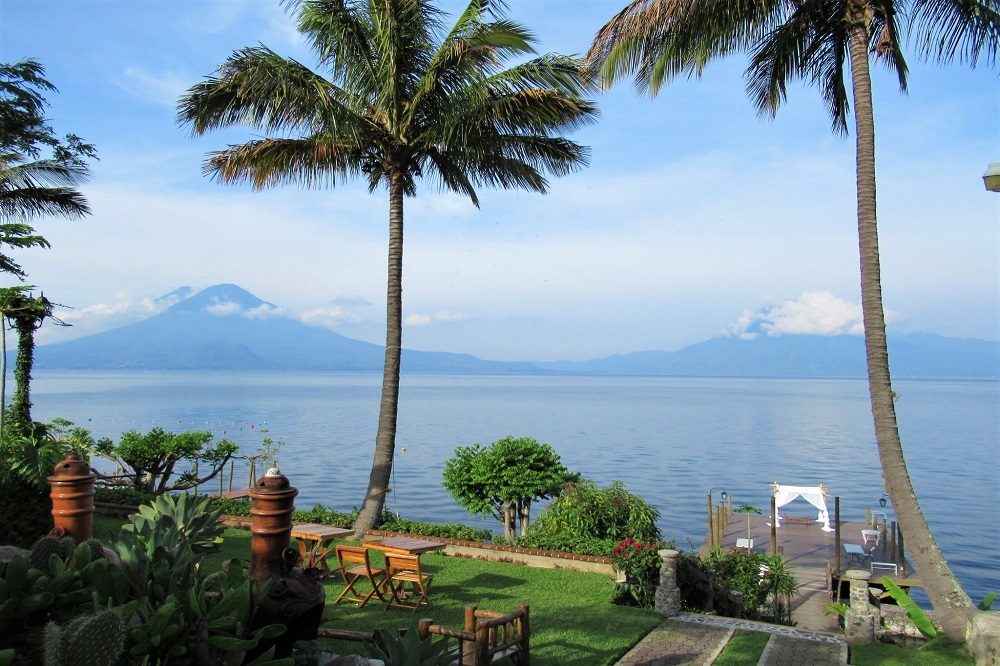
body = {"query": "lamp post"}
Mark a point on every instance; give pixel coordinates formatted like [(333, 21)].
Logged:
[(991, 179), (714, 524)]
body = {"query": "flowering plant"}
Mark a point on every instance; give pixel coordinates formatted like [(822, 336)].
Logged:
[(640, 564)]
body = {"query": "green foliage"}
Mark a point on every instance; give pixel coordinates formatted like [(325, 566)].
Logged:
[(987, 602), (31, 453), (126, 495), (640, 564), (406, 648), (765, 584), (502, 480), (38, 170), (448, 530), (87, 640), (915, 612), (837, 608), (25, 513), (175, 611), (189, 515), (594, 517), (326, 516), (565, 542), (149, 459)]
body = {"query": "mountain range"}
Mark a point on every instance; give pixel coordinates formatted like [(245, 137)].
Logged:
[(225, 327)]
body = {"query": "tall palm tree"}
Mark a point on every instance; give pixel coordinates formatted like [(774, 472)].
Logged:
[(814, 40), (33, 185), (403, 99)]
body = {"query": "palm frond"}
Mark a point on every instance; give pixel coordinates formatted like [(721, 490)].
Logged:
[(966, 30), (44, 173), (261, 89), (310, 162), (32, 202)]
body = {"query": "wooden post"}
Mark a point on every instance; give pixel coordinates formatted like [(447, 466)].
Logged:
[(774, 527), (423, 628), (730, 502), (482, 647), (892, 543), (525, 635), (196, 475), (836, 540), (902, 556), (868, 517), (468, 648), (222, 480), (711, 529), (232, 468), (718, 525)]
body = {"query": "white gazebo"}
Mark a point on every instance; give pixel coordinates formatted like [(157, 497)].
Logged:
[(815, 495)]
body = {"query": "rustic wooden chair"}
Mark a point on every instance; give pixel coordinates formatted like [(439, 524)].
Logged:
[(354, 568), (487, 637), (400, 570)]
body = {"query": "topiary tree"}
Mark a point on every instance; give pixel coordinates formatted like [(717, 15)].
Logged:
[(149, 460), (503, 479)]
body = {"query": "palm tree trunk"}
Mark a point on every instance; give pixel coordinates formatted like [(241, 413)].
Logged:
[(385, 439), (952, 605)]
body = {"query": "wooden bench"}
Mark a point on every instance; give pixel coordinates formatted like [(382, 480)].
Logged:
[(487, 636)]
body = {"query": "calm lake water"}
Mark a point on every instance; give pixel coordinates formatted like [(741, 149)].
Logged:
[(668, 439)]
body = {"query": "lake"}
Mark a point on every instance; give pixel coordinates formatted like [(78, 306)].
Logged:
[(668, 439)]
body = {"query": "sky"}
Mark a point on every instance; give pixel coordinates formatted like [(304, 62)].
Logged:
[(695, 217)]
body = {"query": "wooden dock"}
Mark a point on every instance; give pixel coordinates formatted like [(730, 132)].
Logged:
[(812, 555)]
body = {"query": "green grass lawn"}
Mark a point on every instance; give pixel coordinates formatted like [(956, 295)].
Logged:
[(743, 649), (935, 654), (573, 622)]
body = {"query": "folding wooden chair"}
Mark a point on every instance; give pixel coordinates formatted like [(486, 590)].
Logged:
[(355, 567), (400, 570)]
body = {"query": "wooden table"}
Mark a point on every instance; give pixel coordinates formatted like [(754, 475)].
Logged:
[(315, 543), (405, 545)]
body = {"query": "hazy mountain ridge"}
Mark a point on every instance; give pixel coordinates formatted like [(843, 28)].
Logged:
[(227, 328)]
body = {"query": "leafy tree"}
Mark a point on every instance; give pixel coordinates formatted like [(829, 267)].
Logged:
[(817, 41), (503, 479), (149, 460), (403, 99), (39, 172)]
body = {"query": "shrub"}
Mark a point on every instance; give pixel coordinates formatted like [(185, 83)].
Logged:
[(640, 564), (391, 523), (585, 513), (239, 506), (25, 513), (568, 543), (763, 584), (124, 495)]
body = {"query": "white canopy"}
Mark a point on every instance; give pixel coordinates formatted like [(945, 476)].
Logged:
[(815, 495)]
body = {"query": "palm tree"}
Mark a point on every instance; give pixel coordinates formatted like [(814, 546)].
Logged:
[(31, 185), (403, 100), (813, 40)]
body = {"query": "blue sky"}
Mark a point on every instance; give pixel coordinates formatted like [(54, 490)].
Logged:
[(695, 217)]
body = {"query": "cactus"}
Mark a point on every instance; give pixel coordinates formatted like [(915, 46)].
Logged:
[(88, 640), (48, 546)]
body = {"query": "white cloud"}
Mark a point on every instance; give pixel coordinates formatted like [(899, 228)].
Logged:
[(812, 313), (330, 316), (122, 310), (223, 308), (428, 319), (265, 311), (163, 88)]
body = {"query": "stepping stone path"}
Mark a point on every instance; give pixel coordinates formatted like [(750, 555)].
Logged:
[(690, 638), (786, 650), (678, 642)]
